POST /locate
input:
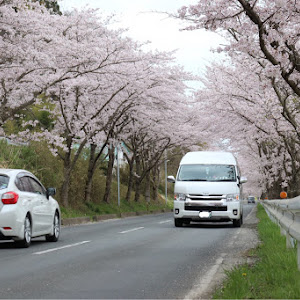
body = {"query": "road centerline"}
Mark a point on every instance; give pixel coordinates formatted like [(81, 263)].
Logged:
[(133, 229), (61, 248), (163, 222)]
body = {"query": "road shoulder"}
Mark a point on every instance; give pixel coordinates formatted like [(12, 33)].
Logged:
[(235, 253)]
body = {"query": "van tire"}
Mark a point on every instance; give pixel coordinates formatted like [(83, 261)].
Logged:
[(178, 222), (238, 222)]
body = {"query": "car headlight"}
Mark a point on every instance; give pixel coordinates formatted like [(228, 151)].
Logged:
[(232, 197), (180, 197)]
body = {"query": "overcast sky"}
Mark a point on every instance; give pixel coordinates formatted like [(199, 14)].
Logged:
[(145, 24)]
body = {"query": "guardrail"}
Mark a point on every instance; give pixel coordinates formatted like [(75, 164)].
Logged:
[(286, 213)]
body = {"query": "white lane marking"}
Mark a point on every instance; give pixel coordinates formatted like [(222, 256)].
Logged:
[(130, 230), (61, 248), (206, 280), (163, 222)]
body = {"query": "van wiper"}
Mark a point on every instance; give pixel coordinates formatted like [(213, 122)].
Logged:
[(225, 180), (194, 180)]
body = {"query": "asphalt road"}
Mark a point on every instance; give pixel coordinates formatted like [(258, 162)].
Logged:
[(134, 258)]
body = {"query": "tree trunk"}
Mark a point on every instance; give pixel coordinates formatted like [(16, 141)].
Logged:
[(91, 169), (137, 191), (111, 155), (65, 187), (155, 182), (293, 186), (130, 180), (69, 164), (94, 158), (137, 180), (147, 189)]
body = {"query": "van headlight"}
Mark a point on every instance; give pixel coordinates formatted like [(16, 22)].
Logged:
[(180, 197), (232, 197)]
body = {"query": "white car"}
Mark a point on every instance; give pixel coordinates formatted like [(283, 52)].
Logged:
[(27, 209)]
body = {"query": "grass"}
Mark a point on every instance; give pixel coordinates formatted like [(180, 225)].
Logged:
[(274, 276)]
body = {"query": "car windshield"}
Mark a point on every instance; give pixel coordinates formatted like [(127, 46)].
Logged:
[(3, 182), (207, 173)]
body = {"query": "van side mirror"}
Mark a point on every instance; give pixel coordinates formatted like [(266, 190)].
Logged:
[(50, 192), (243, 179), (171, 179)]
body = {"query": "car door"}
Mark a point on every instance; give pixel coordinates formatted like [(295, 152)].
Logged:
[(43, 211), (30, 201)]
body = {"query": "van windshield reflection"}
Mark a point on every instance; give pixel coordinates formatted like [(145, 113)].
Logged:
[(207, 173)]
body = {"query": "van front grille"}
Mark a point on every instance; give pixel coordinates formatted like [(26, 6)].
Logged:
[(200, 197), (206, 208)]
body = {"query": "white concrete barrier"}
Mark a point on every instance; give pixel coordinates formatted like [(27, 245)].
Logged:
[(286, 213)]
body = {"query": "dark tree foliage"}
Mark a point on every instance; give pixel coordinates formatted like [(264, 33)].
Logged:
[(51, 5)]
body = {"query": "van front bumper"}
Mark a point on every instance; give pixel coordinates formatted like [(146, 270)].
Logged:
[(218, 211)]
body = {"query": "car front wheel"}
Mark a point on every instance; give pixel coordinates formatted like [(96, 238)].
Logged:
[(56, 230)]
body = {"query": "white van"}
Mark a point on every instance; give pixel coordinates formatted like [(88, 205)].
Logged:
[(208, 188)]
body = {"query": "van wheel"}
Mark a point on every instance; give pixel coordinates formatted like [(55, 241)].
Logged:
[(178, 222), (238, 222)]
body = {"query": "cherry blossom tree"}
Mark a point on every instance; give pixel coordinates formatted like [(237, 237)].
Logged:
[(159, 87), (86, 77), (267, 30), (38, 50), (260, 94), (114, 81), (98, 87), (166, 114), (250, 116), (22, 68)]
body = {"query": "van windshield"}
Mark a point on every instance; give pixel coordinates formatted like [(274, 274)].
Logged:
[(207, 173)]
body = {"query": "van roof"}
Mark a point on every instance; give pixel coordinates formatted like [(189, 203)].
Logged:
[(208, 158)]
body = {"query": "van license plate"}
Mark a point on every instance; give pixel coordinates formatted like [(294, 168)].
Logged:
[(205, 214)]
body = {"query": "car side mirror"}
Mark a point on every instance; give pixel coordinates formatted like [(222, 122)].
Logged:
[(171, 179), (50, 192)]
